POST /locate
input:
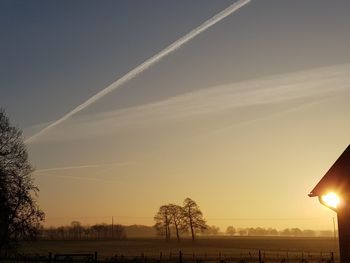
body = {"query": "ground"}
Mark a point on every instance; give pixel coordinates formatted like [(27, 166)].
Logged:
[(277, 247)]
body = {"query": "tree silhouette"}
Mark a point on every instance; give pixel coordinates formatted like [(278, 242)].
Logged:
[(163, 220), (193, 217), (177, 218), (76, 229), (20, 215), (230, 230)]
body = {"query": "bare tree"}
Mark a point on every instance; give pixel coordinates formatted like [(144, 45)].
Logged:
[(119, 232), (76, 230), (97, 229), (177, 219), (20, 216), (193, 217), (163, 220), (230, 230)]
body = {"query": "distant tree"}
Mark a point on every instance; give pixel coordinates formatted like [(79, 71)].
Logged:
[(119, 232), (212, 230), (97, 230), (285, 232), (105, 231), (261, 231), (20, 216), (87, 232), (251, 231), (177, 219), (193, 217), (61, 233), (230, 230), (51, 233), (163, 220), (76, 230), (242, 231), (296, 232), (272, 232)]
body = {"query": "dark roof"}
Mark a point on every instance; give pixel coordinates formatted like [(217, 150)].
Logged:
[(337, 179)]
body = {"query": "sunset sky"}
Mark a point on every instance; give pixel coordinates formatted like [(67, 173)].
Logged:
[(245, 118)]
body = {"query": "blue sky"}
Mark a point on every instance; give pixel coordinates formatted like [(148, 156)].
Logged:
[(50, 49), (257, 101), (56, 54)]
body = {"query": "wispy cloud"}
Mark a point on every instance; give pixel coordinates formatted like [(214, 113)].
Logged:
[(61, 172), (64, 168), (145, 65), (211, 102)]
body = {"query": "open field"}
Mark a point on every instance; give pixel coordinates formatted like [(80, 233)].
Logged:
[(279, 247)]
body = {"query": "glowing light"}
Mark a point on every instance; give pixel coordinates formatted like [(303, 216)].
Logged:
[(331, 200)]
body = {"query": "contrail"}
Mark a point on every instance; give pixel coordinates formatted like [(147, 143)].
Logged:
[(145, 65), (80, 167), (66, 168)]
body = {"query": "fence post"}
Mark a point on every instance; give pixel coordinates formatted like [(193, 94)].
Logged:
[(332, 257), (95, 255), (160, 256), (180, 256), (260, 256)]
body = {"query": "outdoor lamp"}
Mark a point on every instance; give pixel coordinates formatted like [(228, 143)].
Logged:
[(333, 191), (331, 200)]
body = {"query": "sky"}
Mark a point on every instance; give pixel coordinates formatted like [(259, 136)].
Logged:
[(245, 118)]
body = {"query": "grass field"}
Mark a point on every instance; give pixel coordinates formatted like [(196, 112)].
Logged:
[(202, 248)]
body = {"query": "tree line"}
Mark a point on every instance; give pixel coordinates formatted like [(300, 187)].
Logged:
[(172, 218), (260, 231), (76, 231), (103, 231)]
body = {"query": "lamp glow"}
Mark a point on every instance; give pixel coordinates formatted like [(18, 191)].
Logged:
[(331, 200)]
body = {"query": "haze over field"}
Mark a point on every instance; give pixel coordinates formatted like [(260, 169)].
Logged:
[(244, 118)]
